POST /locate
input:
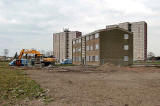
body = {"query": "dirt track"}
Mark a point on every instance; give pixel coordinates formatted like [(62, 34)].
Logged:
[(100, 88)]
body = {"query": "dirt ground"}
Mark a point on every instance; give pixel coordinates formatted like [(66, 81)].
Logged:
[(79, 86)]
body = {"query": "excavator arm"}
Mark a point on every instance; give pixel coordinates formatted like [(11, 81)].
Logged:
[(27, 51), (21, 54)]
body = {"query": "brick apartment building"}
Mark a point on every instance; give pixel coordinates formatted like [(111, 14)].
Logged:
[(62, 44), (139, 30), (113, 45)]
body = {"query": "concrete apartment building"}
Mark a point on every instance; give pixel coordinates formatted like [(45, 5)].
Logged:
[(113, 45), (139, 30), (62, 44)]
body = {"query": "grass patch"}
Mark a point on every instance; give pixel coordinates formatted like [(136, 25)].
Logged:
[(148, 63), (16, 86)]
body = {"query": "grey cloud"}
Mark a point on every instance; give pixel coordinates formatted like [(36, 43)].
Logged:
[(36, 20)]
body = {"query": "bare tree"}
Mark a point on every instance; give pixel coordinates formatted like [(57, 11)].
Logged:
[(150, 54)]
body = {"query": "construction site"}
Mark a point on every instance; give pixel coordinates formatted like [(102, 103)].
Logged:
[(107, 85), (102, 68)]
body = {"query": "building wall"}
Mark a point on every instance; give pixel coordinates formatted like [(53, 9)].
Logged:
[(59, 45), (145, 40), (112, 47), (92, 53), (139, 30), (86, 55), (77, 51), (83, 42), (108, 47), (72, 35), (62, 44), (111, 26), (124, 25), (56, 44)]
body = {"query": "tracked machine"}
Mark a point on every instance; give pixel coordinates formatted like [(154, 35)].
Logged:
[(37, 58)]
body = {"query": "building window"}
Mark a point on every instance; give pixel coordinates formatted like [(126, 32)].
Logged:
[(126, 36), (130, 27), (73, 42), (74, 50), (97, 35), (91, 47), (93, 58), (96, 58), (74, 58), (91, 37), (87, 38), (79, 49), (79, 40), (87, 58), (125, 58), (87, 48), (90, 58), (97, 46), (126, 47), (79, 58)]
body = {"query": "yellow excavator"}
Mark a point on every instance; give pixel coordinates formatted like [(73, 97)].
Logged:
[(50, 60), (38, 58)]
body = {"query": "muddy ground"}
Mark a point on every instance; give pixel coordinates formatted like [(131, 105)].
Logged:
[(79, 86)]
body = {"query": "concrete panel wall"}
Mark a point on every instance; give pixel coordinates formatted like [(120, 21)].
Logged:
[(138, 29), (62, 44), (72, 35), (124, 25), (56, 44)]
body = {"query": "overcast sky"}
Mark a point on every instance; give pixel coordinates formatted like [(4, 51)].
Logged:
[(31, 23)]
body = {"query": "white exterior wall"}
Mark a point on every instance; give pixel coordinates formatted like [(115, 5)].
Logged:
[(111, 26), (124, 25), (56, 45), (60, 44), (72, 35), (138, 40)]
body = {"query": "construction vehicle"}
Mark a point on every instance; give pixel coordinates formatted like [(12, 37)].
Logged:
[(50, 60), (18, 61), (38, 58)]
